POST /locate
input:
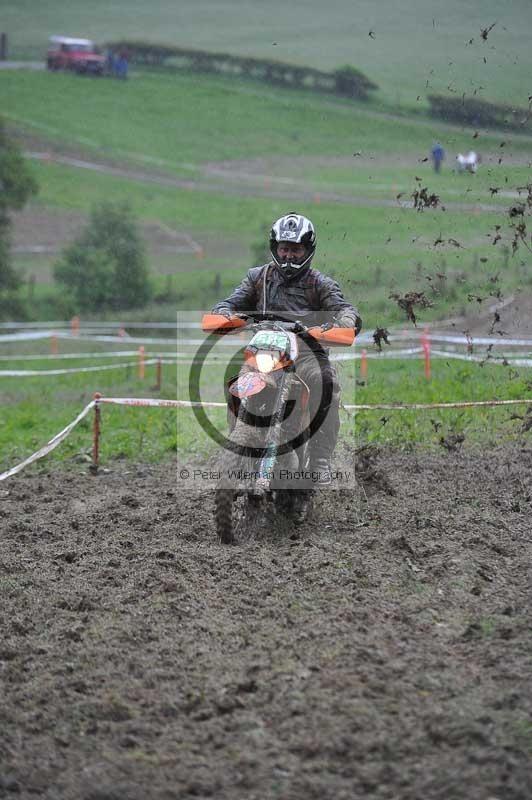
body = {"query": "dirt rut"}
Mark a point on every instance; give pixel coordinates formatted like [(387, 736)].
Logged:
[(384, 651)]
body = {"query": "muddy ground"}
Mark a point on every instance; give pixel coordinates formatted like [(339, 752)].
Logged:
[(384, 651)]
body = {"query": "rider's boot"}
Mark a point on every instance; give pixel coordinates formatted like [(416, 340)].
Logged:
[(321, 471)]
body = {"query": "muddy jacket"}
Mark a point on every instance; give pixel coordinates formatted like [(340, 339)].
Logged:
[(316, 297)]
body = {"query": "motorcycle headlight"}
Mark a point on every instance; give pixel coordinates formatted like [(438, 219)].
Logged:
[(267, 360)]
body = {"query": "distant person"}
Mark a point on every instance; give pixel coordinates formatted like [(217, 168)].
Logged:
[(110, 63), (121, 65), (468, 163), (437, 154)]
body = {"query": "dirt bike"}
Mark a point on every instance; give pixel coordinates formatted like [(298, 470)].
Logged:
[(265, 463)]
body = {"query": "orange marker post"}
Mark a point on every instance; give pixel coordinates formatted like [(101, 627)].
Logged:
[(425, 340), (53, 345), (364, 365), (74, 326), (141, 362)]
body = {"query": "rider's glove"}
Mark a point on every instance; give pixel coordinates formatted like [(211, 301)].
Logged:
[(349, 322), (225, 312)]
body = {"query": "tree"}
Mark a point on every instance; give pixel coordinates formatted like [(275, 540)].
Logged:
[(352, 82), (16, 187), (105, 267)]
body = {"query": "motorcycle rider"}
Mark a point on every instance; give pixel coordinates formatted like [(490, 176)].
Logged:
[(289, 284)]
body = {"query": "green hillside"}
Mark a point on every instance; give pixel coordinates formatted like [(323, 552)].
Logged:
[(409, 49), (181, 119), (217, 160)]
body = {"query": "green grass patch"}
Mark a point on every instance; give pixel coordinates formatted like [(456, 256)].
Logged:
[(374, 246), (371, 251), (35, 409), (415, 49), (179, 121), (404, 382)]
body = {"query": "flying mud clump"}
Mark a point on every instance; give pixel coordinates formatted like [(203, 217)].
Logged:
[(408, 301)]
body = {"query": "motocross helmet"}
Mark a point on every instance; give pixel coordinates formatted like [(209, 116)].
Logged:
[(296, 229)]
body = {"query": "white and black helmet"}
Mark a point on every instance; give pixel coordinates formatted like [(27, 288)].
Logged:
[(297, 229)]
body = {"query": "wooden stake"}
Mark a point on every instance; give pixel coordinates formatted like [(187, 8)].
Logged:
[(364, 365), (96, 435), (426, 352)]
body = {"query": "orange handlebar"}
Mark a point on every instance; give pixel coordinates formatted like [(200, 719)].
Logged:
[(218, 323), (334, 336)]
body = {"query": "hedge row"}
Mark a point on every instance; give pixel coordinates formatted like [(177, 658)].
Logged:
[(345, 81), (478, 113)]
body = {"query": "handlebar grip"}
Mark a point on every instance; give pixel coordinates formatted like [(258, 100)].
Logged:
[(333, 336), (219, 323)]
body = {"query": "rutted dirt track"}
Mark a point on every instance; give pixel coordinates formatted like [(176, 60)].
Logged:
[(384, 653)]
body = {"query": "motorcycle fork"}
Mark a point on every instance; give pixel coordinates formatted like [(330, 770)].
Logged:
[(268, 460)]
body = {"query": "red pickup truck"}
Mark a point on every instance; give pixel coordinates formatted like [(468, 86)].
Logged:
[(77, 55)]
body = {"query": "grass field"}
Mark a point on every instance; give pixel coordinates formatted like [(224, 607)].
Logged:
[(181, 121), (239, 155), (367, 246), (414, 48), (36, 408), (371, 250), (381, 649)]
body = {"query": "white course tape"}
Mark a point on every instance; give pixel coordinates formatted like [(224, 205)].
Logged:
[(485, 359), (103, 338), (475, 340), (80, 337), (51, 445), (169, 356), (185, 359), (63, 356), (414, 352), (161, 403), (405, 353), (154, 402), (24, 337), (425, 406), (24, 373), (95, 324)]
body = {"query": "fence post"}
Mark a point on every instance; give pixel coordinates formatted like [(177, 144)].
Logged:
[(158, 375), (425, 340), (3, 46), (74, 325), (141, 362), (53, 345), (96, 435), (364, 364)]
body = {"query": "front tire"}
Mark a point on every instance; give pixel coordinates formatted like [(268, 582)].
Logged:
[(235, 509), (226, 513)]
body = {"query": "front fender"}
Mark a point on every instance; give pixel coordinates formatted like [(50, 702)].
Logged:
[(247, 384)]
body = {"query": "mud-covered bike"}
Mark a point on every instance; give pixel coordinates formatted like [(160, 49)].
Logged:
[(266, 461)]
